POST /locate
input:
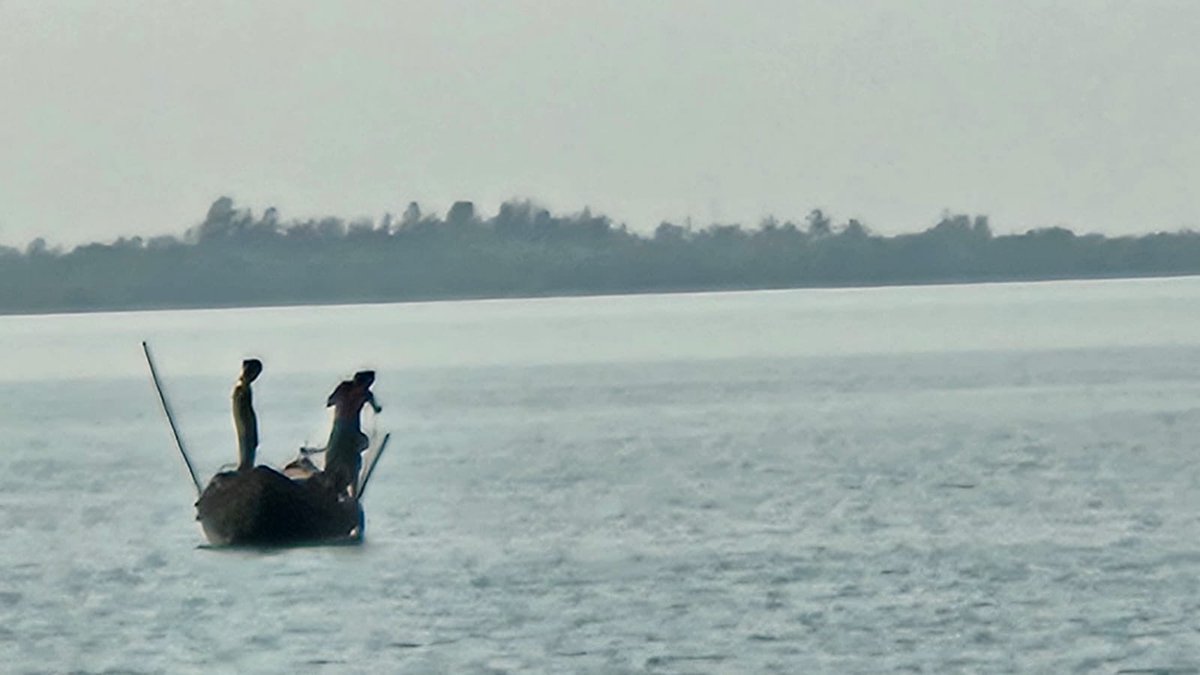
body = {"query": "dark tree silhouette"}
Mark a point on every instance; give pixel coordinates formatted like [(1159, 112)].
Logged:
[(233, 257)]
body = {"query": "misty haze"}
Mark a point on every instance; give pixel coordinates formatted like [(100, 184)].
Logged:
[(701, 337)]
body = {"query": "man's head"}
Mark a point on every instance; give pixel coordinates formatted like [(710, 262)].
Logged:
[(364, 378), (251, 369)]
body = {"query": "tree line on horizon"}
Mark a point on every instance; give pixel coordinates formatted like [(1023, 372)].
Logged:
[(234, 258)]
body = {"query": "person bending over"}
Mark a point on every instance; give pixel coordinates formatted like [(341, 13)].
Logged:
[(343, 459)]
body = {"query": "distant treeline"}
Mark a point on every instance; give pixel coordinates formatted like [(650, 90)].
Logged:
[(236, 258)]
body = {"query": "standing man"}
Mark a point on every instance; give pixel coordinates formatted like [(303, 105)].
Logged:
[(346, 440), (244, 419)]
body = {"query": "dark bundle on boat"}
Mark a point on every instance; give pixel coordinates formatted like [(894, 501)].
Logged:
[(264, 507)]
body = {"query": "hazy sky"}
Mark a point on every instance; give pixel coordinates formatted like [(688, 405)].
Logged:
[(123, 117)]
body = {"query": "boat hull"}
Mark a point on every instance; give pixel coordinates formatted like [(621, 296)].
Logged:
[(264, 507)]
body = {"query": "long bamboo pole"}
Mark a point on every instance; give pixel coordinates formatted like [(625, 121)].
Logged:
[(162, 397), (362, 490)]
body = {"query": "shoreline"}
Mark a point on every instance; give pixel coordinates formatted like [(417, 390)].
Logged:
[(470, 297)]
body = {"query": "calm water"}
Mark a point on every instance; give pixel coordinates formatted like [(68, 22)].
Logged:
[(997, 478)]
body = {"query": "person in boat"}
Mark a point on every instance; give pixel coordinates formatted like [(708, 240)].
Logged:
[(343, 458), (244, 419)]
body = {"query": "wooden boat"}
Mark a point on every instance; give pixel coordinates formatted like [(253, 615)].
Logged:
[(265, 507)]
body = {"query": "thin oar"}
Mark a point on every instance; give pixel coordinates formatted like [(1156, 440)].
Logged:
[(362, 490), (162, 397)]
